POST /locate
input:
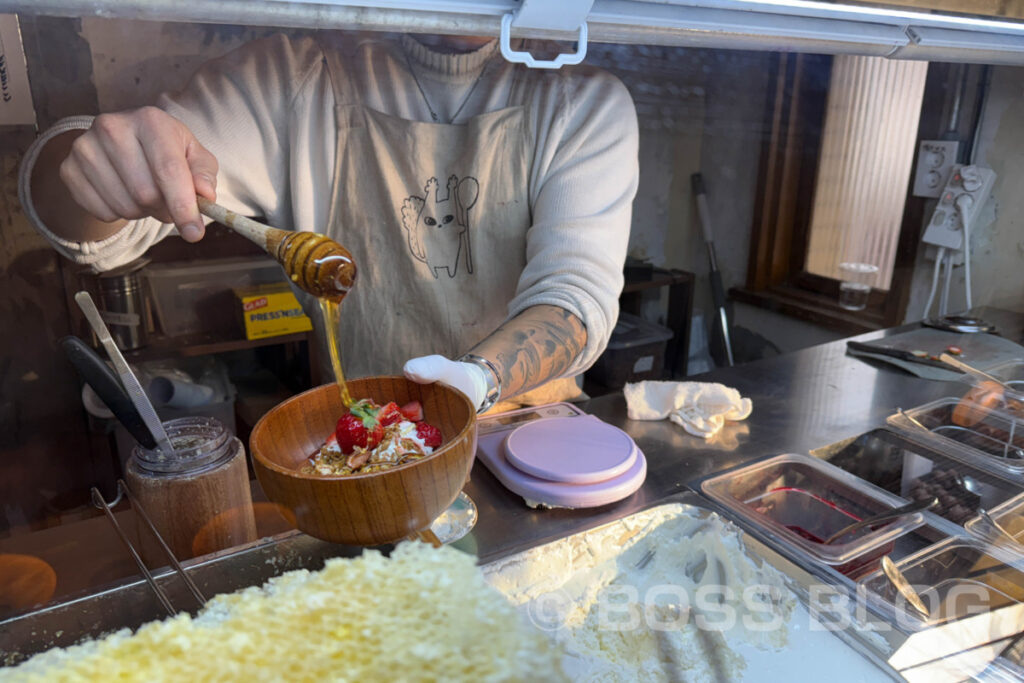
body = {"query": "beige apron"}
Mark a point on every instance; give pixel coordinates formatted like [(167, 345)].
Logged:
[(436, 217)]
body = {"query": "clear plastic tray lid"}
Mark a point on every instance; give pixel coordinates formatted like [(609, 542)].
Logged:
[(955, 578), (802, 501), (971, 432), (1004, 526)]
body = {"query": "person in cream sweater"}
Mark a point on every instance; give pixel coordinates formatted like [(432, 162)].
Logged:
[(487, 205)]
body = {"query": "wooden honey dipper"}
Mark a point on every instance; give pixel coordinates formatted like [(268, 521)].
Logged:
[(314, 262)]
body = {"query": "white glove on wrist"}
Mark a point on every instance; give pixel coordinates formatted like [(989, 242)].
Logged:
[(466, 377)]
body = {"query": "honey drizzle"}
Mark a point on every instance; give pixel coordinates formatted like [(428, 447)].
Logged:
[(325, 269), (314, 262), (331, 310)]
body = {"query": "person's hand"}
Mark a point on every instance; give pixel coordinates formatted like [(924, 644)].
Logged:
[(141, 163), (466, 377)]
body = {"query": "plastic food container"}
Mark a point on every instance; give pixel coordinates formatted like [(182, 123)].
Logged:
[(802, 501), (904, 468), (198, 296), (1010, 516), (635, 352), (994, 443), (955, 578), (221, 407), (1010, 373)]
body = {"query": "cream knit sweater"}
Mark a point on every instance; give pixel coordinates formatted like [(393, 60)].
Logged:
[(266, 111)]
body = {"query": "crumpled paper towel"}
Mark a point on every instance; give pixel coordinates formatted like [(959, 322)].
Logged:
[(701, 408)]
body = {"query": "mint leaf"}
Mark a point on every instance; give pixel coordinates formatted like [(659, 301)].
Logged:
[(366, 410)]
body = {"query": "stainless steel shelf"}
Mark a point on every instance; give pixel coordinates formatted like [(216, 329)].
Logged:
[(788, 25)]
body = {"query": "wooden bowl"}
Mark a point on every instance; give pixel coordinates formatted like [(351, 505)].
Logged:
[(363, 509)]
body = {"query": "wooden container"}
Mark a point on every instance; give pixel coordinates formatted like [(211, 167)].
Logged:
[(363, 509), (205, 479)]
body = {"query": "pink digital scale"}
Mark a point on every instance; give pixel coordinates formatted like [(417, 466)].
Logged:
[(559, 456)]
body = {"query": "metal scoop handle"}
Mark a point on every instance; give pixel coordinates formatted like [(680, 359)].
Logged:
[(128, 378), (903, 586), (954, 362), (999, 530), (910, 508)]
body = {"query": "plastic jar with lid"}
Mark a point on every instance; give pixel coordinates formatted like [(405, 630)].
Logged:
[(198, 497)]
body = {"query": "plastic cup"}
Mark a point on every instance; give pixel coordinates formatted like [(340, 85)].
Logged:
[(855, 285)]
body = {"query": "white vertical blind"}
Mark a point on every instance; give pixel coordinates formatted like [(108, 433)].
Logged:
[(866, 156)]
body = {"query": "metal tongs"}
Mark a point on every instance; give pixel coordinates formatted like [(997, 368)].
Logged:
[(122, 489), (152, 423)]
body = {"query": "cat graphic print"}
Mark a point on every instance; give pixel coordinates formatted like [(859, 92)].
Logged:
[(437, 227)]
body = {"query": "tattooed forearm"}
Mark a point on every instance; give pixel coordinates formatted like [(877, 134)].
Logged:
[(537, 345)]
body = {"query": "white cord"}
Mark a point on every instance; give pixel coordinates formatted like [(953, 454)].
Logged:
[(944, 297), (967, 249), (935, 282)]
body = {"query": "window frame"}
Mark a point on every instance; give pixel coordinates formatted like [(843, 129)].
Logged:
[(790, 155)]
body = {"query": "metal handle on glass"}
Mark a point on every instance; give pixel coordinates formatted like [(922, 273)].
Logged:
[(128, 378)]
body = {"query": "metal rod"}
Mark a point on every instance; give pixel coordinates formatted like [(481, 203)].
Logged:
[(97, 500), (715, 275), (690, 26), (662, 15), (726, 340), (170, 555), (1009, 441), (976, 439), (953, 125)]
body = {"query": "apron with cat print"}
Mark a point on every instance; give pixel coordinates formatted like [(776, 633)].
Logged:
[(436, 217)]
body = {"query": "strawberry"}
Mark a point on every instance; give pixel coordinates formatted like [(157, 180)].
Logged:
[(375, 435), (413, 411), (389, 414), (359, 427), (350, 433), (429, 434), (332, 440)]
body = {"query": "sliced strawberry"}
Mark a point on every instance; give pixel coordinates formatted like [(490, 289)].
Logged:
[(389, 414), (429, 434), (355, 461), (350, 432), (332, 440), (374, 435), (413, 411)]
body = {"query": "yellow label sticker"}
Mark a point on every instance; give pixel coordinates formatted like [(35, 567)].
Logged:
[(273, 314)]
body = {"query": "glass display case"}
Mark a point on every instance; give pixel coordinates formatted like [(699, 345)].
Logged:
[(807, 123)]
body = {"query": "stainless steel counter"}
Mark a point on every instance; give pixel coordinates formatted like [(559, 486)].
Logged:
[(802, 401)]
